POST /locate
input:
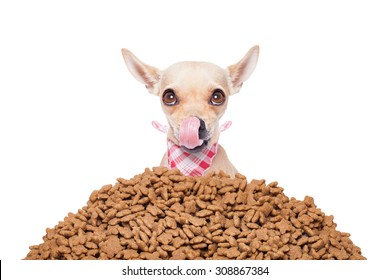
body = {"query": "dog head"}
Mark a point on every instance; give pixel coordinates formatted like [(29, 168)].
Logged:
[(193, 95)]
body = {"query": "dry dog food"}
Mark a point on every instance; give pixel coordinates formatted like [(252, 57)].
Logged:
[(162, 214)]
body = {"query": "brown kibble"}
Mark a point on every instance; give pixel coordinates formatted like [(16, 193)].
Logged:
[(177, 178), (179, 254), (243, 247), (79, 250), (130, 254), (160, 170), (94, 196), (296, 223), (229, 198), (218, 239), (214, 227), (249, 215), (154, 210), (253, 225), (308, 231), (188, 232), (144, 237), (232, 253), (305, 219), (215, 208), (91, 245), (168, 248), (165, 238), (302, 241), (171, 223), (196, 240), (201, 204), (266, 209), (283, 226), (204, 213), (149, 256), (232, 231), (177, 242), (295, 252), (137, 208), (199, 246), (265, 248), (196, 221), (190, 206), (262, 234), (163, 254), (162, 214), (339, 254), (62, 241), (123, 213), (111, 246), (318, 245)]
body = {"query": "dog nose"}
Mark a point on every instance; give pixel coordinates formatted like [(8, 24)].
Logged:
[(202, 124), (202, 130)]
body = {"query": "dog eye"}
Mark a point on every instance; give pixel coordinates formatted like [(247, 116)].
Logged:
[(169, 97), (217, 98)]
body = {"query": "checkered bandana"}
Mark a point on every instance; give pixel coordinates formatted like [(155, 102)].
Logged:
[(190, 164)]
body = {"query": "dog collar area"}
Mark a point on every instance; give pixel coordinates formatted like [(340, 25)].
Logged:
[(190, 164)]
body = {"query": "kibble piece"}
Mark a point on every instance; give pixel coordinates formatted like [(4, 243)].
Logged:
[(196, 221), (111, 246), (165, 238), (232, 231), (204, 213)]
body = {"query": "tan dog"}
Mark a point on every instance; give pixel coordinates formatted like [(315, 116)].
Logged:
[(194, 96)]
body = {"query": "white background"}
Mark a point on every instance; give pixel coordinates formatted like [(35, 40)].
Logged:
[(314, 115)]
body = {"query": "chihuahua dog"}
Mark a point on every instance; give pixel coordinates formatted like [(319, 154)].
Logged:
[(194, 96)]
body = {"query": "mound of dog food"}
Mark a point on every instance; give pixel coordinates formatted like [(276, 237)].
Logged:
[(162, 214)]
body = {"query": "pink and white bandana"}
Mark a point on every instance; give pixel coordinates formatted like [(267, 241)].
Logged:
[(190, 164)]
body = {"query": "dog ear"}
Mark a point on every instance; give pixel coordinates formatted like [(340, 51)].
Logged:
[(240, 72), (146, 74)]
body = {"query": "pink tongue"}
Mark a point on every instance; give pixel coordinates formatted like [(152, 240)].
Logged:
[(189, 133)]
